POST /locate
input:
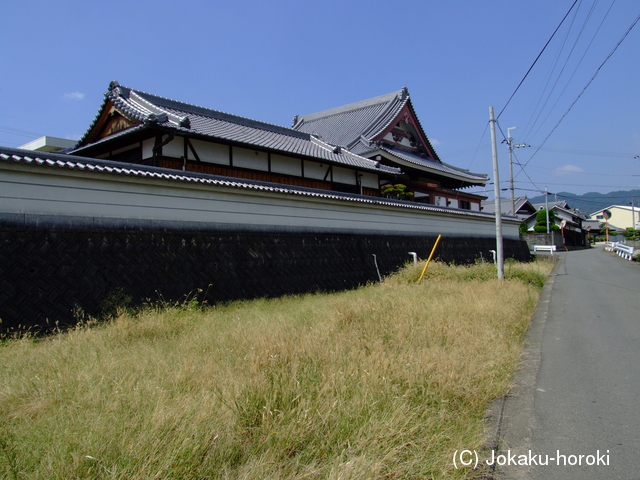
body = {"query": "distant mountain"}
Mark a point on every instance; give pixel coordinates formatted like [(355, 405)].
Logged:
[(593, 201)]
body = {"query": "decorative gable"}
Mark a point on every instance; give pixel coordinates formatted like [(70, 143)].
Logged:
[(108, 122), (405, 132), (115, 124)]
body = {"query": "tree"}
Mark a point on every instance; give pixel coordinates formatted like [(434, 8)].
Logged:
[(398, 191), (523, 228), (631, 233), (541, 221)]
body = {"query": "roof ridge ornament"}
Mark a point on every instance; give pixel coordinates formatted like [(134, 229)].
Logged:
[(114, 88)]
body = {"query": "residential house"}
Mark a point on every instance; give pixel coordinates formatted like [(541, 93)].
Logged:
[(523, 207), (568, 220), (622, 216)]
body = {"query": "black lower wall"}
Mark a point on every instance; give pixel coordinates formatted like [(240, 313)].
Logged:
[(47, 274)]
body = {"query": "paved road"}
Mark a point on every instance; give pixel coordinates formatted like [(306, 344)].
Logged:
[(578, 392)]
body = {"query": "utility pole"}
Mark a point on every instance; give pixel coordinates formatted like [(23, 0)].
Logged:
[(511, 147), (496, 191), (546, 205)]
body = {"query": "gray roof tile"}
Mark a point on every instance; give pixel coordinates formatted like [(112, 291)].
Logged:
[(358, 125), (198, 121), (437, 166), (346, 124)]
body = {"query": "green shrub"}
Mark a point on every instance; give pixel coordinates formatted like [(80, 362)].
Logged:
[(541, 222), (523, 228), (398, 191)]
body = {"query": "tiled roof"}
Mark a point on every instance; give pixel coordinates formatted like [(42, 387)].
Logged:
[(560, 204), (436, 166), (489, 206), (190, 119), (356, 123), (109, 167)]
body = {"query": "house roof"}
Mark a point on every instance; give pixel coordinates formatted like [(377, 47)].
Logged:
[(522, 205), (559, 204), (623, 207), (111, 167), (145, 110), (559, 207)]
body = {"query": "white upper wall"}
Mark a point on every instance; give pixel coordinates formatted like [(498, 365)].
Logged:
[(38, 190)]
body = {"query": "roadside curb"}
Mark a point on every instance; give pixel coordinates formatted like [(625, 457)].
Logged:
[(510, 418)]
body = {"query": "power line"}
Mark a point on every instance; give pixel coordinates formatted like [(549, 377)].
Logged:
[(537, 58), (550, 75), (590, 153), (16, 131), (584, 89), (528, 130)]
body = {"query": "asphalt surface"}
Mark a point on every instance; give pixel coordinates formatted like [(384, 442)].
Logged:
[(576, 403)]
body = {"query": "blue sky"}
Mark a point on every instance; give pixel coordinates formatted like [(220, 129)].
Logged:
[(271, 60)]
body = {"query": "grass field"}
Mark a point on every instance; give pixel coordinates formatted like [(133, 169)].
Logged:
[(386, 381)]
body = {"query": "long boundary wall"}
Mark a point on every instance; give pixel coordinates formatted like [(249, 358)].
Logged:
[(50, 275), (75, 232)]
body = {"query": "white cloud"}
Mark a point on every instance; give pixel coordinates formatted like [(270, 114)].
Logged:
[(568, 168), (434, 142), (74, 96)]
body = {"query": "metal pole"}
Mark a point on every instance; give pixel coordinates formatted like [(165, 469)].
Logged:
[(496, 190), (510, 144), (375, 261), (546, 205)]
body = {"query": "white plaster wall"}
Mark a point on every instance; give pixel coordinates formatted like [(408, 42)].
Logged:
[(369, 180), (286, 165), (253, 159), (174, 149), (38, 190), (315, 170), (344, 175), (453, 203), (147, 148), (210, 152), (475, 207)]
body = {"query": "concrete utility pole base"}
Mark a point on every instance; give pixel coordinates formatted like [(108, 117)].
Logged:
[(496, 190)]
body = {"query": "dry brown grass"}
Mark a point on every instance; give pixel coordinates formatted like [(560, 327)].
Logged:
[(386, 381)]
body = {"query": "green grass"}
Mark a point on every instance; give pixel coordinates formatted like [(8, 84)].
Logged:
[(386, 381)]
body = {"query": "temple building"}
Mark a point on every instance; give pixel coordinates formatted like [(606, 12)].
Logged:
[(355, 149), (387, 129)]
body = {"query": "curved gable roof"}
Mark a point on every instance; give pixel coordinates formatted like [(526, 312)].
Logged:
[(358, 126), (146, 110), (434, 166), (346, 124)]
